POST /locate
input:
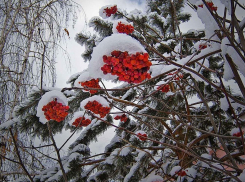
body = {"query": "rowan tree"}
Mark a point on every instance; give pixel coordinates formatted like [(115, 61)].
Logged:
[(180, 103)]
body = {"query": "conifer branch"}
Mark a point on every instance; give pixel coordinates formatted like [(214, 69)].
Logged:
[(92, 162), (236, 75), (234, 114), (214, 125), (191, 153), (46, 155)]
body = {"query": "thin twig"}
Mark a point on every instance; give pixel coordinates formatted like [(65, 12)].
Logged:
[(57, 151)]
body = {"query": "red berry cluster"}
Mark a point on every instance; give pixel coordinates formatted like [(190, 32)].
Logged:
[(81, 121), (97, 108), (122, 28), (164, 88), (55, 111), (210, 5), (110, 11), (238, 134), (181, 173), (123, 118), (129, 68), (141, 136), (203, 46), (177, 76), (94, 83)]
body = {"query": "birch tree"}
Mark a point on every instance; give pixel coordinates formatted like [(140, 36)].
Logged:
[(30, 37)]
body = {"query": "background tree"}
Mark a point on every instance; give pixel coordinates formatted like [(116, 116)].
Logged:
[(179, 120), (30, 37)]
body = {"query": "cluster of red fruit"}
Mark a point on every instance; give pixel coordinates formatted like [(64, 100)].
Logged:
[(110, 11), (130, 68), (238, 134), (177, 76), (181, 173), (94, 83), (123, 118), (141, 136), (122, 28), (81, 121), (203, 46), (55, 111), (97, 108), (210, 5), (164, 88)]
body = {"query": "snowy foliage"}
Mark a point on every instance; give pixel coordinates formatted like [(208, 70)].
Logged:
[(184, 122)]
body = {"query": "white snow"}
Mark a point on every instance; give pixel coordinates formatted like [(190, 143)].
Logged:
[(207, 20), (69, 93), (80, 148), (234, 131), (110, 159), (135, 13), (84, 76), (227, 4), (195, 32), (175, 170), (135, 167), (158, 84), (217, 165), (242, 176), (114, 140), (125, 151), (131, 90), (165, 166), (167, 152), (46, 98), (191, 172), (91, 21), (120, 42), (152, 178), (234, 104), (242, 23), (8, 123), (73, 77), (227, 49), (206, 156), (140, 131)]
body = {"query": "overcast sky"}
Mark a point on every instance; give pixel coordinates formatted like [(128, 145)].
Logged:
[(91, 8)]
